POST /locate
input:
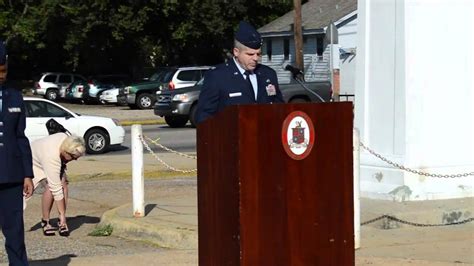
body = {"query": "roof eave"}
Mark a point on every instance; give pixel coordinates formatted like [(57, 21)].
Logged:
[(290, 33)]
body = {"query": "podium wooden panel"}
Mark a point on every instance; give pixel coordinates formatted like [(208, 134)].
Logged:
[(258, 206)]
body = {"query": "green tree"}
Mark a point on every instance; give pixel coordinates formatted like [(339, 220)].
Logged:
[(124, 35)]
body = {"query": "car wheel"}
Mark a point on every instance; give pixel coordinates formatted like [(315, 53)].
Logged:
[(98, 98), (51, 94), (176, 121), (145, 101), (121, 102), (88, 100), (97, 141), (192, 115)]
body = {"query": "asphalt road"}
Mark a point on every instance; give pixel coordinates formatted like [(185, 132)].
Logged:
[(178, 139)]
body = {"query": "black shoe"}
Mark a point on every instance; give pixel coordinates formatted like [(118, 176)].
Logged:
[(63, 230), (48, 230)]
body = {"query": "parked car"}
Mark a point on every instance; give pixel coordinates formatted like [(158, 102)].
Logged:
[(52, 85), (90, 91), (99, 132), (143, 95), (75, 91), (179, 106), (111, 96), (185, 77), (147, 86)]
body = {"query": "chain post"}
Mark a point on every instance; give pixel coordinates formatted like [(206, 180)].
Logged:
[(138, 183)]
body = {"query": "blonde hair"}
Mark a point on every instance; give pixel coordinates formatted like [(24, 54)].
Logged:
[(74, 145)]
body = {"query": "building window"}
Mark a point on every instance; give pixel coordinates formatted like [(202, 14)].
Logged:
[(319, 45), (286, 48), (269, 49)]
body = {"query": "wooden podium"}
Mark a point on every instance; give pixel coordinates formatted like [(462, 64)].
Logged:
[(259, 204)]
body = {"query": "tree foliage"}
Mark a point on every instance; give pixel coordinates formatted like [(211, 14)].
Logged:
[(98, 36)]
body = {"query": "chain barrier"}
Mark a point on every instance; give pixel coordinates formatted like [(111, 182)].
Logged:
[(393, 218), (385, 216), (147, 147), (170, 150), (401, 167)]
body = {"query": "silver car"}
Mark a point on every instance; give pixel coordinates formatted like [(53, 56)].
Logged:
[(52, 85)]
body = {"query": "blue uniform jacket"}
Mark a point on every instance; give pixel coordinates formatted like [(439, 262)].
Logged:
[(15, 151), (225, 85)]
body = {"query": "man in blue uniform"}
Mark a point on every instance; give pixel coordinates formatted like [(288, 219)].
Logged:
[(241, 80), (15, 167)]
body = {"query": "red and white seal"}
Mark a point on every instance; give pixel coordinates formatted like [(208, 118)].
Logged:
[(297, 135)]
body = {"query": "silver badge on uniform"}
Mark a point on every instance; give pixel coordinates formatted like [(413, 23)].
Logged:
[(14, 109)]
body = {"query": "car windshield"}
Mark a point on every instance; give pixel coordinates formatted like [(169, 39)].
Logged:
[(164, 75), (157, 76)]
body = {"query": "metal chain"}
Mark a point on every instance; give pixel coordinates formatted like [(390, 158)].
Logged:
[(393, 218), (401, 167), (162, 162), (170, 150), (385, 216)]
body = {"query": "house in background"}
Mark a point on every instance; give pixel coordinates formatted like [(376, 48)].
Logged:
[(278, 48)]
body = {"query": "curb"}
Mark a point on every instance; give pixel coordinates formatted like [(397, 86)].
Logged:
[(163, 234)]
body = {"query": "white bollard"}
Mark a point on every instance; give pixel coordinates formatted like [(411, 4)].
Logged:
[(138, 183), (356, 162)]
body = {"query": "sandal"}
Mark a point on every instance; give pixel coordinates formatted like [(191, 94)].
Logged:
[(48, 230), (63, 230)]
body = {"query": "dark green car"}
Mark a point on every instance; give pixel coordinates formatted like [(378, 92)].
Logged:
[(141, 95)]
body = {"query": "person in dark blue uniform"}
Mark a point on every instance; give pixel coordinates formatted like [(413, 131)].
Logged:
[(16, 169), (241, 80)]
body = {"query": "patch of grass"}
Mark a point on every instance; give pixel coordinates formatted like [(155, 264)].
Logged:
[(142, 122), (102, 230), (161, 174)]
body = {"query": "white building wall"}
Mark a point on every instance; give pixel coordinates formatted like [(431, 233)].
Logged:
[(347, 34), (414, 88), (347, 37), (316, 68)]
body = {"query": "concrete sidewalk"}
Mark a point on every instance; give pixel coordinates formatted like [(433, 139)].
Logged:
[(171, 222)]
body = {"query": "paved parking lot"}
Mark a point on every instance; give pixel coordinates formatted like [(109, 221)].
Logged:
[(122, 113)]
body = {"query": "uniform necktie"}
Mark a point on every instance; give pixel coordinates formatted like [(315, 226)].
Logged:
[(1, 117), (247, 77), (1, 95)]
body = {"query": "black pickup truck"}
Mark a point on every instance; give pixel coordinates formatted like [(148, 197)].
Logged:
[(179, 106)]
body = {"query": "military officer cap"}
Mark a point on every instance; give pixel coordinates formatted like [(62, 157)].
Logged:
[(247, 35), (3, 53)]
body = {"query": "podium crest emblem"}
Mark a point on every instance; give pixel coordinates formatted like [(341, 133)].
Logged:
[(298, 135)]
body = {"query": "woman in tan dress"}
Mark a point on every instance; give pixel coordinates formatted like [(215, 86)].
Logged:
[(50, 156)]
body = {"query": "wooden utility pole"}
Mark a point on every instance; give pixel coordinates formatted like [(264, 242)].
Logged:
[(297, 29)]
